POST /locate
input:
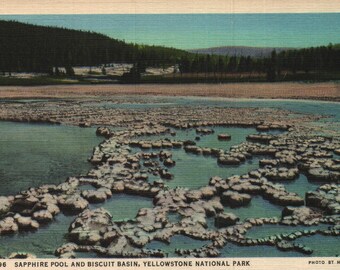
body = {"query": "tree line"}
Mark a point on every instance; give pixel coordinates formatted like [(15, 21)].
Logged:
[(32, 48), (316, 59)]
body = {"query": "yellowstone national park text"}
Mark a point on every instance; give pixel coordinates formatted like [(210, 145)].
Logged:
[(130, 263)]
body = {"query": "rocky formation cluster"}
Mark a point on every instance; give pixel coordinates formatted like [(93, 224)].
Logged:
[(123, 164)]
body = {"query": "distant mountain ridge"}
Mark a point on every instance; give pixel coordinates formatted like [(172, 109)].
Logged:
[(257, 52)]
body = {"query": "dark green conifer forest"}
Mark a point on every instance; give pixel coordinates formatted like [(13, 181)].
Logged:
[(32, 48), (25, 47)]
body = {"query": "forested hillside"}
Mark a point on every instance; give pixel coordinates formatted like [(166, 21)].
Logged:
[(25, 47)]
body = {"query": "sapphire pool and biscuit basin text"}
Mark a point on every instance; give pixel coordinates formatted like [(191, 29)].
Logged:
[(133, 263), (155, 264)]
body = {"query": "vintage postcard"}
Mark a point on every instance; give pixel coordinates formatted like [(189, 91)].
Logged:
[(169, 134)]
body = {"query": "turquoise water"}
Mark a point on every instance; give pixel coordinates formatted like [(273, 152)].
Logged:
[(86, 187), (194, 171), (124, 207), (36, 154), (322, 245), (177, 241), (299, 106), (257, 208), (42, 243), (189, 31), (174, 217), (301, 185), (232, 250), (296, 106), (204, 166)]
